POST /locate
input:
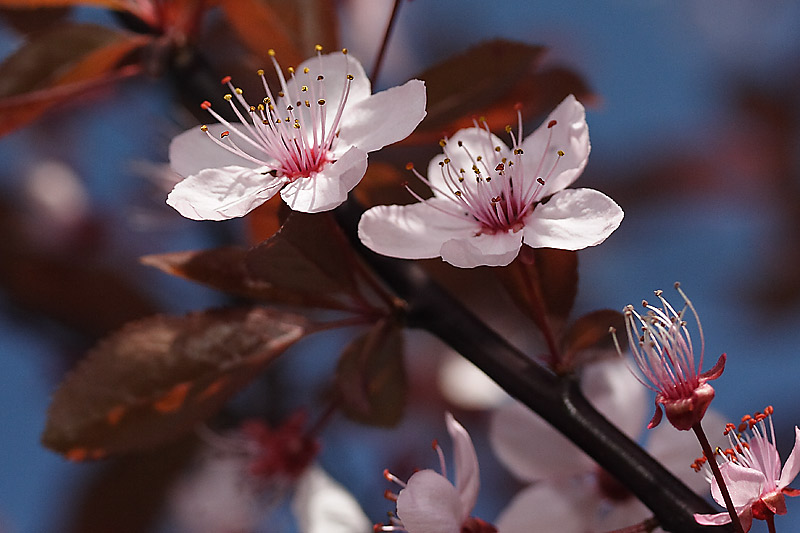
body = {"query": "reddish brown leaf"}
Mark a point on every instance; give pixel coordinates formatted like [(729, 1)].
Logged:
[(554, 273), (58, 65), (25, 21), (591, 331), (371, 379), (225, 269), (309, 255), (488, 80), (311, 22), (262, 28), (36, 4), (154, 379), (383, 184)]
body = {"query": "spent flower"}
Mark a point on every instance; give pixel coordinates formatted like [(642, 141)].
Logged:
[(751, 469), (308, 141), (489, 199), (664, 352), (430, 503)]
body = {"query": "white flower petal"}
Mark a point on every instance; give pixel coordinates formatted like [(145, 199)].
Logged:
[(744, 484), (573, 219), (192, 151), (676, 450), (615, 392), (546, 507), (334, 67), (383, 118), (223, 193), (531, 449), (766, 458), (466, 465), (327, 189), (497, 249), (415, 231), (792, 466), (321, 505), (571, 135), (622, 514), (474, 142), (429, 504)]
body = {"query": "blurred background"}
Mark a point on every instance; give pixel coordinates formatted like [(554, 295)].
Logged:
[(695, 130)]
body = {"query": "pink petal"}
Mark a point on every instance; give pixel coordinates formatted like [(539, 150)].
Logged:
[(572, 219), (192, 151), (768, 459), (621, 515), (415, 231), (429, 504), (744, 484), (614, 391), (322, 505), (222, 193), (466, 465), (792, 466), (712, 519), (715, 371), (549, 507), (570, 134), (531, 449), (474, 142), (383, 118), (327, 189), (498, 249)]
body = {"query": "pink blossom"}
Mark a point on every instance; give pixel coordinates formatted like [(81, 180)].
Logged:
[(665, 354), (752, 472), (568, 492), (489, 199), (430, 503), (308, 141)]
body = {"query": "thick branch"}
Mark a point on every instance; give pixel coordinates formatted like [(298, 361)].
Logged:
[(558, 400)]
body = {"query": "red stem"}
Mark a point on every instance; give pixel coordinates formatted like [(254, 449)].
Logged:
[(771, 523), (539, 313)]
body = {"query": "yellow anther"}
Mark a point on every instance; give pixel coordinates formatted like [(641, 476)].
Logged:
[(446, 160), (518, 151), (344, 50), (321, 101), (260, 72), (561, 153), (203, 128), (304, 88), (271, 52), (508, 128), (308, 104), (442, 143), (479, 158), (318, 47), (291, 70), (280, 94), (497, 148), (306, 70), (261, 107), (252, 109), (350, 77), (238, 91), (228, 97)]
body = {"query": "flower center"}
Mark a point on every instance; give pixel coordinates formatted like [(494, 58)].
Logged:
[(293, 134), (495, 190)]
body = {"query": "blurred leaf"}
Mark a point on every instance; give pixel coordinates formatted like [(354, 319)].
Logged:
[(383, 184), (154, 379), (27, 21), (488, 80), (261, 28), (265, 220), (225, 269), (310, 22), (57, 65), (371, 377), (129, 493), (309, 255), (554, 273), (35, 4), (592, 331)]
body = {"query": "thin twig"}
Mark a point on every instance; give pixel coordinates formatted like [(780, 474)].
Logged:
[(712, 462), (384, 44)]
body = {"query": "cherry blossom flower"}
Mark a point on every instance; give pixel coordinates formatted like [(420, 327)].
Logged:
[(665, 355), (568, 491), (489, 199), (430, 503), (752, 472), (308, 141)]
